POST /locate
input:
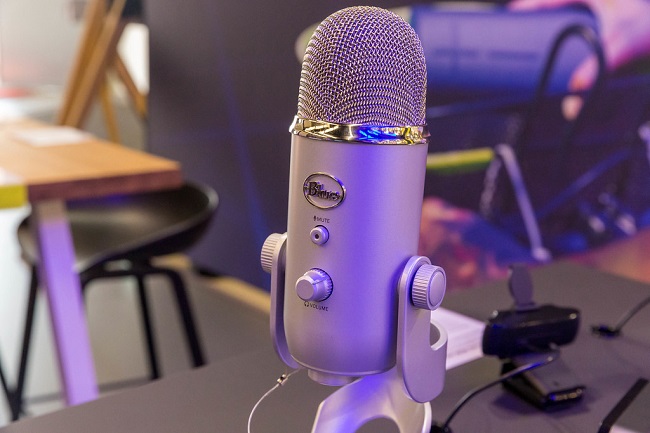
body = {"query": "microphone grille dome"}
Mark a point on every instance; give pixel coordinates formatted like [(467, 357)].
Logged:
[(364, 65)]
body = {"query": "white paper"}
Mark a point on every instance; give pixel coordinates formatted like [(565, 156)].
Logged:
[(51, 136), (464, 335)]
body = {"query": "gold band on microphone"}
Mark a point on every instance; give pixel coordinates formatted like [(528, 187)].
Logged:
[(321, 130)]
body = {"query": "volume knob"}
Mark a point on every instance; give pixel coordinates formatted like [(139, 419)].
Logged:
[(315, 285)]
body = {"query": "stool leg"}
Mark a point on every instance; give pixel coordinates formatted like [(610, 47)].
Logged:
[(102, 54), (187, 317), (154, 372), (17, 396), (142, 269), (5, 388), (93, 21)]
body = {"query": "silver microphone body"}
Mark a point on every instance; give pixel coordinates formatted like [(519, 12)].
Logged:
[(371, 235), (358, 161)]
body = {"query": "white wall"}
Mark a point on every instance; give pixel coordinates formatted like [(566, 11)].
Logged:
[(38, 39)]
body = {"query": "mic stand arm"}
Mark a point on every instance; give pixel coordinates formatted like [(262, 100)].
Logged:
[(421, 364), (272, 258)]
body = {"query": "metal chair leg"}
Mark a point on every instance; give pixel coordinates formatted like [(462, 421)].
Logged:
[(15, 396), (5, 388), (154, 372), (186, 314), (142, 269), (16, 399)]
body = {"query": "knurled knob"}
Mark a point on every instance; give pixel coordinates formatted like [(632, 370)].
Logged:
[(428, 287), (315, 285), (268, 251)]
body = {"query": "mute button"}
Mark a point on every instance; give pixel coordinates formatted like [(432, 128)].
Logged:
[(319, 235)]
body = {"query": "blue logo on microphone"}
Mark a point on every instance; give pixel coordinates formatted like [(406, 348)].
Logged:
[(323, 190)]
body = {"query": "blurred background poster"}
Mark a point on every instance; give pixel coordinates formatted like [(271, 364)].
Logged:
[(496, 76)]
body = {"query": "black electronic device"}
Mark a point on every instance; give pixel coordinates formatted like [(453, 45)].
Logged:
[(512, 333), (527, 331), (552, 387), (528, 327)]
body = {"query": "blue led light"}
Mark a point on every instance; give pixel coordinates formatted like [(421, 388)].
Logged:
[(376, 134)]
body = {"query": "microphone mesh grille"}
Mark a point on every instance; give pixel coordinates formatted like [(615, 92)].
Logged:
[(364, 65)]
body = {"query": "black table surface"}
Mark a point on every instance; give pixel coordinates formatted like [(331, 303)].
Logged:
[(607, 367), (219, 397)]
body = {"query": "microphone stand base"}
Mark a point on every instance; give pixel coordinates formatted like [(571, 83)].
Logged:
[(371, 397)]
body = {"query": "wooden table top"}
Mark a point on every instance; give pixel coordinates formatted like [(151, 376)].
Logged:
[(80, 167)]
